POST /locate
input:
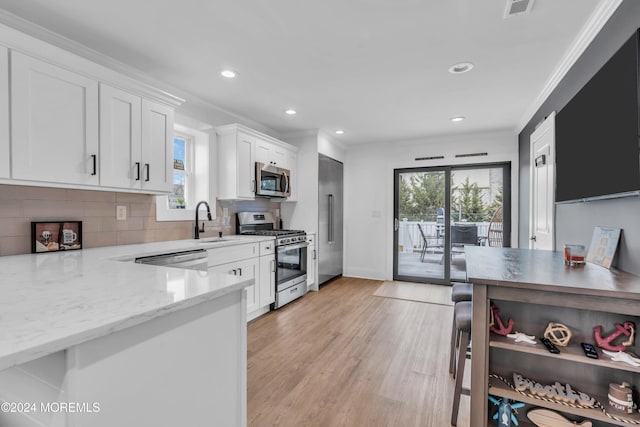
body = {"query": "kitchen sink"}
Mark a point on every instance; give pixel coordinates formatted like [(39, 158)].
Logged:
[(214, 240)]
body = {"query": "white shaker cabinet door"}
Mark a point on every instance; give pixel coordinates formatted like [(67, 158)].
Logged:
[(4, 112), (157, 147), (267, 280), (246, 167), (120, 138), (54, 118)]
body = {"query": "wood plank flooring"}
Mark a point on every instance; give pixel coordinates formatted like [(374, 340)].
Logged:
[(343, 357)]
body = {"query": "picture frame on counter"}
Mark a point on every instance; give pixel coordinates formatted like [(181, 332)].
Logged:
[(56, 236)]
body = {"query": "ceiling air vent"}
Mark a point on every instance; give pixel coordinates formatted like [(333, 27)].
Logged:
[(517, 7), (471, 155), (429, 158)]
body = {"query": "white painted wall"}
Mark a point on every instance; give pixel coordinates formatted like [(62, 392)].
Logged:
[(369, 191)]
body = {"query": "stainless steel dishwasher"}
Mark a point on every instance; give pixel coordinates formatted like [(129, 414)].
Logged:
[(192, 260)]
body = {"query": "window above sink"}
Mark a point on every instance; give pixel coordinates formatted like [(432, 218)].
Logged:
[(191, 176)]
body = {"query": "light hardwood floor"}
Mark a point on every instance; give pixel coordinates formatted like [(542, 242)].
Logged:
[(343, 357)]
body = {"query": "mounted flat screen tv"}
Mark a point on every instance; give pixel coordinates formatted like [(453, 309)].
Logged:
[(597, 133)]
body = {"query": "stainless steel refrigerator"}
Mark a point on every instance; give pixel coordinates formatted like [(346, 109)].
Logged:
[(330, 220)]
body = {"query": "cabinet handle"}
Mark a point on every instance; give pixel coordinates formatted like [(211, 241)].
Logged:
[(267, 248), (293, 290), (137, 171), (240, 270), (148, 166), (253, 186), (273, 265), (235, 273), (94, 157), (314, 254)]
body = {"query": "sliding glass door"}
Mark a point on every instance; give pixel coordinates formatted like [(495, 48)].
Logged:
[(438, 211)]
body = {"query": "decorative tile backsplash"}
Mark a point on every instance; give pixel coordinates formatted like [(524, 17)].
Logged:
[(97, 210)]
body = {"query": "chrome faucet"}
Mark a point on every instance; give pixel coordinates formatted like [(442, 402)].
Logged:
[(197, 230)]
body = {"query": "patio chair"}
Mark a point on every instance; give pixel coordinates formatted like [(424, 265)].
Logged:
[(424, 243), (496, 231)]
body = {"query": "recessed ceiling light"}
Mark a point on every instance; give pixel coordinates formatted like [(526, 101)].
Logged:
[(457, 119), (290, 111), (340, 132), (461, 67), (230, 74)]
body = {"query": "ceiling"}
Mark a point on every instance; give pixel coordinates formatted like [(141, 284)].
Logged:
[(375, 68)]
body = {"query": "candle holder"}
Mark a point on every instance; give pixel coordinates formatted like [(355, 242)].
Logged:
[(574, 255)]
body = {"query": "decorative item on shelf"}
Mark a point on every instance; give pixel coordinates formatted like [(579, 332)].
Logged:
[(627, 329), (494, 319), (558, 334), (563, 396), (521, 337), (547, 418), (604, 244), (574, 255), (621, 398), (621, 356), (556, 392), (505, 415)]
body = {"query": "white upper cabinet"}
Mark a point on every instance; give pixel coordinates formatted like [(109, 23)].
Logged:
[(120, 138), (136, 140), (270, 154), (54, 123), (236, 164), (63, 125), (4, 112), (157, 147), (239, 149)]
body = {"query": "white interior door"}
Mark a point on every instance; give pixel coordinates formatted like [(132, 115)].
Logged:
[(542, 185)]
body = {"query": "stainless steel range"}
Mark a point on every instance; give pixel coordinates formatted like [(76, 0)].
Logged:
[(291, 254)]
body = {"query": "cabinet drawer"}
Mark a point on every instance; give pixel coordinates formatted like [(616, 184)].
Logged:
[(228, 254), (267, 248)]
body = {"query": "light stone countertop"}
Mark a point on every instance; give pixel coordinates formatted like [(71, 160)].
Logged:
[(52, 301)]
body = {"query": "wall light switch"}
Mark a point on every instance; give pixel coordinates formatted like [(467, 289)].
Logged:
[(121, 213)]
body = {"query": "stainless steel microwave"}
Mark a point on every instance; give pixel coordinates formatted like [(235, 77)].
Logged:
[(272, 181)]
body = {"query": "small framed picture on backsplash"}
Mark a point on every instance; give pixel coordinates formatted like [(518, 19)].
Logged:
[(56, 236)]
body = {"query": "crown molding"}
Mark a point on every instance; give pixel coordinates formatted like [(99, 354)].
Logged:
[(589, 31)]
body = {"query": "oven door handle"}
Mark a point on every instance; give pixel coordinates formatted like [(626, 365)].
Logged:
[(296, 246)]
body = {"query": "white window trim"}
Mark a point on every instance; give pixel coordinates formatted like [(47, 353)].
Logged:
[(201, 185)]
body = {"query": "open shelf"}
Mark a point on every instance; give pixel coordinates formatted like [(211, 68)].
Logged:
[(573, 353), (500, 389)]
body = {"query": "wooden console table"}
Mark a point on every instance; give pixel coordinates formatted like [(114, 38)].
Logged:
[(535, 288)]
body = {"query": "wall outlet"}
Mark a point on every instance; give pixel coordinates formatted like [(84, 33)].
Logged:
[(121, 213)]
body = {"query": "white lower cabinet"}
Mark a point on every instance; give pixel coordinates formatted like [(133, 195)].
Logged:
[(267, 273), (4, 113), (251, 260), (54, 123), (312, 259), (247, 269)]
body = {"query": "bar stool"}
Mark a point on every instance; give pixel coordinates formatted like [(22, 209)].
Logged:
[(463, 312), (459, 292)]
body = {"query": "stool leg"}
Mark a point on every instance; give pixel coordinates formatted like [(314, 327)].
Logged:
[(457, 391), (452, 355)]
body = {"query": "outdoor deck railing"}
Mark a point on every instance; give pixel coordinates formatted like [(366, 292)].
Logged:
[(409, 239)]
